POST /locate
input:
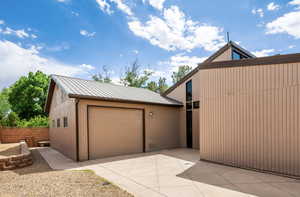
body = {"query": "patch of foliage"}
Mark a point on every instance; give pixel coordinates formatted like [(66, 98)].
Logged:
[(182, 71), (27, 96), (134, 78), (37, 121)]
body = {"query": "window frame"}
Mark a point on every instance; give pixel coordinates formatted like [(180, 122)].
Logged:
[(65, 121)]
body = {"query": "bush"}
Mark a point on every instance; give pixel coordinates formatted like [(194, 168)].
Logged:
[(11, 120), (37, 121)]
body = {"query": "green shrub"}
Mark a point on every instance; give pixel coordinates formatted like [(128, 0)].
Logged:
[(37, 121), (10, 120)]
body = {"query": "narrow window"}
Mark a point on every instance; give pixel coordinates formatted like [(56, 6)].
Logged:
[(189, 94), (65, 122), (53, 123), (58, 123)]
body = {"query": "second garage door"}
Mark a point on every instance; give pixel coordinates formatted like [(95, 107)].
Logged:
[(114, 131)]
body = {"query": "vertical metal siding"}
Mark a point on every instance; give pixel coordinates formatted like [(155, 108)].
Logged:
[(249, 117)]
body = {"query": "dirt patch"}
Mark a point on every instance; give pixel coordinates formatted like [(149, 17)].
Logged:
[(40, 180), (9, 149)]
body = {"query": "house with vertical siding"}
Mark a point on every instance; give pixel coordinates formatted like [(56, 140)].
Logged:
[(237, 109)]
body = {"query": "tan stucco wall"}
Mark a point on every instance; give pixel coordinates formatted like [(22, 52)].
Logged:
[(162, 129), (226, 55), (179, 94), (63, 139), (249, 117)]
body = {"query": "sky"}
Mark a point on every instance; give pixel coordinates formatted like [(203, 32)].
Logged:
[(78, 37)]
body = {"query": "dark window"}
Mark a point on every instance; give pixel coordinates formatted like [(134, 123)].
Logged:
[(65, 122), (53, 123), (188, 89), (237, 56), (196, 104), (58, 123), (189, 105)]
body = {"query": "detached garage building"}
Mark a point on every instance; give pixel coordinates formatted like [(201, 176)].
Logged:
[(91, 120), (237, 109)]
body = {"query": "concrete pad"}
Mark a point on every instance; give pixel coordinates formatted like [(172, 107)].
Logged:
[(56, 160), (178, 172)]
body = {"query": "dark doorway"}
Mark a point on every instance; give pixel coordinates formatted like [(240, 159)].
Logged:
[(189, 129)]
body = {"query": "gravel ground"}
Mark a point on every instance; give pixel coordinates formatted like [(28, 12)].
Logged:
[(9, 149), (40, 180)]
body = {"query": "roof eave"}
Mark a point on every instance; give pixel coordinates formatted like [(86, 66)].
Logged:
[(122, 100)]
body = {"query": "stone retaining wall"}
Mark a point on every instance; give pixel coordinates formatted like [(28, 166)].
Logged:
[(17, 161)]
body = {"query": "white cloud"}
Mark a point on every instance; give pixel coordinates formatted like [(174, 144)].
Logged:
[(75, 13), (123, 7), (288, 23), (182, 60), (135, 51), (21, 33), (86, 33), (60, 47), (2, 22), (106, 7), (291, 46), (158, 4), (176, 61), (273, 6), (63, 1), (264, 52), (258, 12), (87, 66), (295, 3), (33, 36), (16, 61), (174, 31)]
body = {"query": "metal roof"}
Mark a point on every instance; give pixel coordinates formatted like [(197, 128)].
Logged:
[(88, 89)]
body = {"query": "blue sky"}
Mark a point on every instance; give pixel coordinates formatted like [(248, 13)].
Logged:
[(78, 37)]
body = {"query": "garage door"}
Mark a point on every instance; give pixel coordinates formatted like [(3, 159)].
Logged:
[(114, 131)]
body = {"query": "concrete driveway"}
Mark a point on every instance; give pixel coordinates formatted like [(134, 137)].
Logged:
[(178, 172)]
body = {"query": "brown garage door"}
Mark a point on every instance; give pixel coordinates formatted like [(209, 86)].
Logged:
[(114, 131)]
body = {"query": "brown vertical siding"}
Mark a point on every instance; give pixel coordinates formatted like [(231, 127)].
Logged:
[(179, 95), (63, 139), (249, 117), (161, 130)]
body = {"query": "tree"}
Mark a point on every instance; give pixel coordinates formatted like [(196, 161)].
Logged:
[(103, 77), (182, 71), (5, 107), (28, 95), (134, 78), (152, 85), (159, 87), (162, 85)]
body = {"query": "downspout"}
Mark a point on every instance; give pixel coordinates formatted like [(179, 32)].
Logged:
[(77, 132)]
